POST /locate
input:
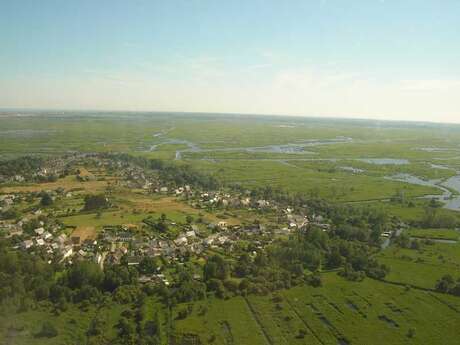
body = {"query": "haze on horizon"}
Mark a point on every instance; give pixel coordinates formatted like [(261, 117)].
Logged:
[(378, 59)]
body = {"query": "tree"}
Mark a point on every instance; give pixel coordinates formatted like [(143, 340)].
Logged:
[(216, 267), (334, 259), (46, 200), (315, 280), (244, 265), (84, 273), (403, 240), (125, 328), (10, 213), (411, 333), (445, 284), (217, 286), (415, 244), (147, 265)]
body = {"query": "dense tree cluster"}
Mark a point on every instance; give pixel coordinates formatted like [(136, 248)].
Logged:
[(95, 202), (447, 284), (46, 199), (23, 276), (434, 219), (27, 278)]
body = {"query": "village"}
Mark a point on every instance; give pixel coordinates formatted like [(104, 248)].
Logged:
[(36, 224)]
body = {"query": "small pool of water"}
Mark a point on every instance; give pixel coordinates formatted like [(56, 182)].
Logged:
[(384, 161), (353, 170)]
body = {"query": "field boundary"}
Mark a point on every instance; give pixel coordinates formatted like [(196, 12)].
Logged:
[(259, 323)]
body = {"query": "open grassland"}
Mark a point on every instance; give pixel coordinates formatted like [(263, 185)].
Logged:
[(330, 184), (174, 209), (222, 322), (422, 267), (137, 132), (138, 207), (442, 234), (340, 312), (360, 312), (413, 212)]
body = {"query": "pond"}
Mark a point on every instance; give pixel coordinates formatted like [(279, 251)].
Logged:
[(353, 170), (442, 167), (384, 161)]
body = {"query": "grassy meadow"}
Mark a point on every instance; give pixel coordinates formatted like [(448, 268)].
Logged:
[(339, 312)]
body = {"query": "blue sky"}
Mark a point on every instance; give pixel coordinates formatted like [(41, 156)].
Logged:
[(393, 59)]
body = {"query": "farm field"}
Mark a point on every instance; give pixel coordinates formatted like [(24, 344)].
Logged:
[(441, 234), (339, 312), (422, 267)]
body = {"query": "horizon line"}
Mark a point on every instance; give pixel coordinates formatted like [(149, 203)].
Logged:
[(177, 112)]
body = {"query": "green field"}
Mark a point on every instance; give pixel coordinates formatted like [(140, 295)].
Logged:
[(340, 312), (422, 267), (442, 234)]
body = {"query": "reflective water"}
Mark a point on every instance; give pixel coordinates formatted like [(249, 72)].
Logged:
[(451, 201), (291, 148), (384, 161)]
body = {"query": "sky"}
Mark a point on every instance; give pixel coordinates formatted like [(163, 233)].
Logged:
[(381, 59)]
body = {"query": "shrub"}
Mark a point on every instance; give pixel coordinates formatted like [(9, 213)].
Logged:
[(47, 330)]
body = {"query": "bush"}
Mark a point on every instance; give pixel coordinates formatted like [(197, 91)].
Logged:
[(315, 280), (46, 200), (47, 330), (411, 333)]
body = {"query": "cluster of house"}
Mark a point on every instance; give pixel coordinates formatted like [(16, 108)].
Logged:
[(120, 242), (6, 201), (225, 199), (49, 240), (52, 167)]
